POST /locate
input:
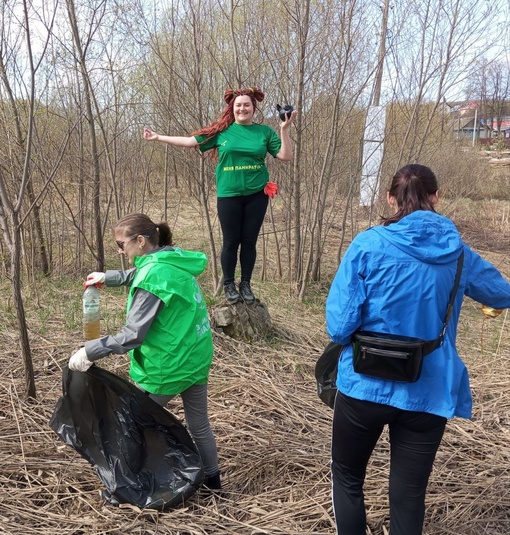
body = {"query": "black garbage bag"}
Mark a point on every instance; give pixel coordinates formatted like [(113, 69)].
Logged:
[(140, 451)]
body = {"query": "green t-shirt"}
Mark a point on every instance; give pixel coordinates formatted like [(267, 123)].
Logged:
[(242, 150)]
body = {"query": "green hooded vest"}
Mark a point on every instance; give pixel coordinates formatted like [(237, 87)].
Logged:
[(178, 348)]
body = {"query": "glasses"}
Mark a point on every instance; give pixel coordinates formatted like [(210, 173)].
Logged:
[(121, 244)]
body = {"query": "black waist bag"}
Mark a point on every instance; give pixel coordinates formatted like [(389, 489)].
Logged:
[(396, 357), (386, 356)]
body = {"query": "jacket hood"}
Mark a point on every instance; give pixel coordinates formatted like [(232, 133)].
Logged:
[(424, 235), (193, 262)]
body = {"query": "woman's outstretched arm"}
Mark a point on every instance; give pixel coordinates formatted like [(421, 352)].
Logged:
[(176, 141)]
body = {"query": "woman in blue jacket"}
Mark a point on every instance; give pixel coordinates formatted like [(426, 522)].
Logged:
[(397, 279)]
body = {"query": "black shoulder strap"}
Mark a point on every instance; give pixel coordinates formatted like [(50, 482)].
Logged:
[(432, 345)]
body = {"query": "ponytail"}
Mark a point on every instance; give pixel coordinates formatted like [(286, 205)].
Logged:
[(164, 234)]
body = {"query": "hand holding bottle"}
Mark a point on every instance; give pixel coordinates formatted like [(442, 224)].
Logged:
[(96, 279)]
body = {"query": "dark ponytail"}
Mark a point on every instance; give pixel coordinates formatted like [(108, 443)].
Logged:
[(165, 234), (411, 188)]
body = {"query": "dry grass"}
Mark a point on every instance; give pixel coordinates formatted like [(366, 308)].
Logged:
[(273, 436)]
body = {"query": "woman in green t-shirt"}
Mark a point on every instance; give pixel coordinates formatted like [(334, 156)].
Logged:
[(240, 147)]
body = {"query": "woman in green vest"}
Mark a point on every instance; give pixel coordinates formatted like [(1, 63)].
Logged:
[(240, 147), (167, 332)]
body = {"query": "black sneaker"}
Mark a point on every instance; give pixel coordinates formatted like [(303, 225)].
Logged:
[(212, 486), (231, 293), (246, 293), (213, 482)]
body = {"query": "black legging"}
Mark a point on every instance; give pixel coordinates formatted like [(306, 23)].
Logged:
[(414, 440), (241, 219)]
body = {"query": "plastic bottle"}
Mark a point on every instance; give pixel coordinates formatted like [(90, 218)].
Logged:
[(91, 315)]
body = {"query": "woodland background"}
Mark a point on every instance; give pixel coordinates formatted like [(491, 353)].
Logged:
[(80, 80)]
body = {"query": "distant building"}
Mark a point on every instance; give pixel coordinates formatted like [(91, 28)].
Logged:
[(469, 123)]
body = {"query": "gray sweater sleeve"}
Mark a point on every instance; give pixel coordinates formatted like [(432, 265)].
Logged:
[(119, 278), (143, 310)]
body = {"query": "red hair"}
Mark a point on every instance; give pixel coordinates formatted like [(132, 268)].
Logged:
[(227, 116)]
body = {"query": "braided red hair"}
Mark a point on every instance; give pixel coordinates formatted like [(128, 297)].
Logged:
[(254, 93)]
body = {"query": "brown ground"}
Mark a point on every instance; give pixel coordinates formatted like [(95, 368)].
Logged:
[(273, 436)]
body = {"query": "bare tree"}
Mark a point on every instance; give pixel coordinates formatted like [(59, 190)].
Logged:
[(184, 101), (489, 85), (12, 198), (166, 66), (88, 91), (428, 63)]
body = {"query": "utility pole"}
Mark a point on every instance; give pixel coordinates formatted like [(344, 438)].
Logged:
[(375, 122), (475, 126), (382, 54)]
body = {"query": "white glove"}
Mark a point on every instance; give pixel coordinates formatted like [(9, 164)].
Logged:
[(79, 361), (95, 278)]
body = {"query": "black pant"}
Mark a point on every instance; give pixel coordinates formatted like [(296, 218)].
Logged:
[(414, 441), (241, 219)]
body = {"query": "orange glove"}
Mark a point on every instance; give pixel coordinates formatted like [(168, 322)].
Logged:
[(271, 189)]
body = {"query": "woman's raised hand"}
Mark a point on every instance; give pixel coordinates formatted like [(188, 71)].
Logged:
[(289, 120)]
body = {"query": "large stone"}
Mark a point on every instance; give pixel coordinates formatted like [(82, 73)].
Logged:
[(241, 321)]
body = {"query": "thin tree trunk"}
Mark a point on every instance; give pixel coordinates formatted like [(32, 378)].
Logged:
[(204, 202), (303, 23), (13, 241), (38, 237), (30, 390), (96, 176)]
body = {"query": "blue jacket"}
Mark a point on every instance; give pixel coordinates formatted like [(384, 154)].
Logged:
[(397, 279)]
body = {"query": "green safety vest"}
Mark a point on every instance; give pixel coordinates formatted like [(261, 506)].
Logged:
[(178, 348)]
